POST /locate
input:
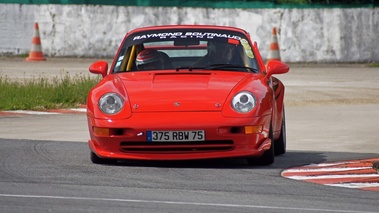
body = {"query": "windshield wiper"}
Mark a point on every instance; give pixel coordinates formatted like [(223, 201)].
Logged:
[(231, 67), (190, 68)]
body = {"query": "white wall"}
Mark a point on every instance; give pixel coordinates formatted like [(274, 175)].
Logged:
[(305, 35)]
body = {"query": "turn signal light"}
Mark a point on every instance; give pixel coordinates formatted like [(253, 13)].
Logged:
[(101, 131), (253, 129)]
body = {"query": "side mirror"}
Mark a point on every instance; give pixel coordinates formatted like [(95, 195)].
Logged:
[(276, 67), (99, 67)]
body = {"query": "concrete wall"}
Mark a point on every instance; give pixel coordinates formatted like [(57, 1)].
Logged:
[(304, 35)]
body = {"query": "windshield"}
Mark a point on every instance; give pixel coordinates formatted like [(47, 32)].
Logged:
[(186, 49)]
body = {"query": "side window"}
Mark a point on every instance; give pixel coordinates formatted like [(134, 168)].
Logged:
[(120, 60), (248, 54), (126, 59)]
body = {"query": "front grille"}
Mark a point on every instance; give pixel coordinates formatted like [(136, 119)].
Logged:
[(176, 147)]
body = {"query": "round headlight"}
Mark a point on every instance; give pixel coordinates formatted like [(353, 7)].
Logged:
[(111, 103), (243, 102)]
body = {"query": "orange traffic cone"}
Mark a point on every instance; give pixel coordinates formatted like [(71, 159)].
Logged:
[(273, 53), (35, 53)]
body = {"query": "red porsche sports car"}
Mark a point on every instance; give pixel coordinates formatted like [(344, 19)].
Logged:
[(183, 92)]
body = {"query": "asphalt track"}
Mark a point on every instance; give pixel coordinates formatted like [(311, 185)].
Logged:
[(332, 119)]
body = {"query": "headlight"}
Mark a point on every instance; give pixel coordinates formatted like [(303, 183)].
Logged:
[(111, 103), (243, 102)]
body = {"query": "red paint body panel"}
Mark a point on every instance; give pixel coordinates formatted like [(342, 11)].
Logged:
[(185, 99)]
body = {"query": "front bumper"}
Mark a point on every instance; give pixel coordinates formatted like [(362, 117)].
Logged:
[(224, 137)]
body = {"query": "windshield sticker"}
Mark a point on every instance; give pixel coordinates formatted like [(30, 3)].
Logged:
[(247, 48), (233, 41), (200, 35), (119, 61)]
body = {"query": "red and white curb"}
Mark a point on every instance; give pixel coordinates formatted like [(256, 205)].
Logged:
[(359, 174), (46, 112)]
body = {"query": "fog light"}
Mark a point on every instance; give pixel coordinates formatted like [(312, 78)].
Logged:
[(101, 131), (253, 129)]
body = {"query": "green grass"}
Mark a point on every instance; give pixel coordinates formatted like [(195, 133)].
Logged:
[(45, 93)]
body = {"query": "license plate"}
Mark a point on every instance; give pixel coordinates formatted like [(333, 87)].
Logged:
[(178, 136)]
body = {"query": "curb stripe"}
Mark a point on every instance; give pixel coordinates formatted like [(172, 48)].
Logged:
[(355, 174), (333, 177), (47, 112), (331, 171), (355, 185)]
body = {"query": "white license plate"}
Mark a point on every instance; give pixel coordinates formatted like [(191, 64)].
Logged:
[(180, 136)]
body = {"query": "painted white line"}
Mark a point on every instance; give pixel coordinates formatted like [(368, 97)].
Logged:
[(180, 203), (32, 112), (333, 164), (79, 109), (355, 185), (337, 169), (332, 176)]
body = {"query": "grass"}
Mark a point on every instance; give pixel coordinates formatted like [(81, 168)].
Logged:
[(45, 93)]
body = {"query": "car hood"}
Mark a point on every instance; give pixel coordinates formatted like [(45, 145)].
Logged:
[(179, 91)]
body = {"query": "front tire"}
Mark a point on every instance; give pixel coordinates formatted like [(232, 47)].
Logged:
[(281, 143), (267, 158), (97, 160)]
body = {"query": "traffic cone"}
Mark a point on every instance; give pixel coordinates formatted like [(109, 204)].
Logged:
[(35, 53), (273, 53)]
